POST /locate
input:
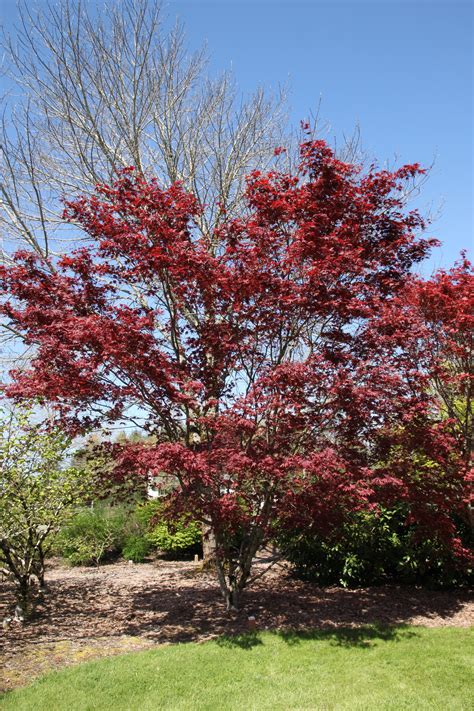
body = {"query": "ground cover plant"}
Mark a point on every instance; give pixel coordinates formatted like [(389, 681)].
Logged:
[(280, 361), (365, 668)]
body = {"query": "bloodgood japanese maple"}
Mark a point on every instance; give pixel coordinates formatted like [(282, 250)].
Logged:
[(265, 357), (445, 303)]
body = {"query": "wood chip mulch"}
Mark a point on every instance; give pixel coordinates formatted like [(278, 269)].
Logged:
[(93, 612)]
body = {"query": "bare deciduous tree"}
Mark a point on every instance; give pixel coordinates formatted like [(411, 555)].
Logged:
[(95, 92)]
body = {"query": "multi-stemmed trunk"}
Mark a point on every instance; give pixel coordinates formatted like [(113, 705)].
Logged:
[(234, 565), (25, 566)]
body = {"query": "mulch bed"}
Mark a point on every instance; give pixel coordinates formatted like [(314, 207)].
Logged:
[(92, 612)]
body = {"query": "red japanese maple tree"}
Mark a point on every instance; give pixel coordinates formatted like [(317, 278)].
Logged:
[(266, 357), (446, 306)]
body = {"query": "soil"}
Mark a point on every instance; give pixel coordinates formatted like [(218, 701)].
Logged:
[(93, 612)]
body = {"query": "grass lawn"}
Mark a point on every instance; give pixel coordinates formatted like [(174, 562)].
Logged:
[(370, 668)]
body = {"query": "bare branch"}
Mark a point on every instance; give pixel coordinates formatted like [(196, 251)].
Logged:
[(93, 95)]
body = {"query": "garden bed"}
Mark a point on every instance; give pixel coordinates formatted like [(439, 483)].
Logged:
[(92, 612)]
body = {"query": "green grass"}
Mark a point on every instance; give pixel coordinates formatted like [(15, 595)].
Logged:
[(370, 668)]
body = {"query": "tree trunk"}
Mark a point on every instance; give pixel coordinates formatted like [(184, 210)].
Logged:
[(39, 568), (233, 582), (23, 608), (208, 544), (232, 600)]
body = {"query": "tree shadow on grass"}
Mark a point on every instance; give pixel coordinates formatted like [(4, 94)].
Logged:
[(351, 636), (246, 640), (363, 637)]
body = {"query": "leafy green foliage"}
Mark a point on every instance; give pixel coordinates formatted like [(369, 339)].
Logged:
[(103, 532), (136, 548), (94, 535), (373, 549), (180, 536)]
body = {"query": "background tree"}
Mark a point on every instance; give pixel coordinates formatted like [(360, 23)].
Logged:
[(96, 92), (266, 358), (38, 492), (96, 454)]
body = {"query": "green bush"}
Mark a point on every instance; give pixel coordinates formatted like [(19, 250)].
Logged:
[(372, 549), (104, 532), (180, 538), (136, 548), (93, 535)]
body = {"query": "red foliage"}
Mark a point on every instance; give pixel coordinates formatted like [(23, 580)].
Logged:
[(446, 306), (277, 360)]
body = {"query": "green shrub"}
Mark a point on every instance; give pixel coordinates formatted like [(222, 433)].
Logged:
[(179, 538), (104, 532), (136, 548), (93, 535), (371, 550), (184, 539)]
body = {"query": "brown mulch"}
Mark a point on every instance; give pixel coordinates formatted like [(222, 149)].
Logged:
[(91, 612)]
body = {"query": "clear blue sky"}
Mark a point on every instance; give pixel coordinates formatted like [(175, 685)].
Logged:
[(402, 70)]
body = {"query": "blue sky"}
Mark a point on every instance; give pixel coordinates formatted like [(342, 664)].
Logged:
[(402, 70)]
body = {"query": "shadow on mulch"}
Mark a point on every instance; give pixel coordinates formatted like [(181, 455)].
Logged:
[(199, 612), (182, 607)]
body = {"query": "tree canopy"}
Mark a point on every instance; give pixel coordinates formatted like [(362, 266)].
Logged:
[(276, 359)]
